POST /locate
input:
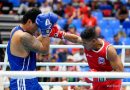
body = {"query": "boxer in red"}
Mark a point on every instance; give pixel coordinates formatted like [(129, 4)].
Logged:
[(100, 54)]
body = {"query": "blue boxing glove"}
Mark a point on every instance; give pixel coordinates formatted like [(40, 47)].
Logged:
[(45, 22)]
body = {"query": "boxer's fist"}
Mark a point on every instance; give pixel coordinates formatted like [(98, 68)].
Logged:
[(45, 22), (55, 32)]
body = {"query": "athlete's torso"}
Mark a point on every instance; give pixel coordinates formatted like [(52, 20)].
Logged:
[(98, 59), (19, 63)]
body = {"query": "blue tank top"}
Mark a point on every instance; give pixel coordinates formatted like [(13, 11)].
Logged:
[(19, 63)]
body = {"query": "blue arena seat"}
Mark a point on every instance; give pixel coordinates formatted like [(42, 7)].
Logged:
[(62, 22), (84, 68), (109, 39), (107, 33), (124, 1), (103, 24), (79, 30), (77, 23), (87, 1), (16, 3), (125, 41), (40, 1), (126, 27), (66, 1), (126, 79), (126, 24), (114, 24), (98, 15)]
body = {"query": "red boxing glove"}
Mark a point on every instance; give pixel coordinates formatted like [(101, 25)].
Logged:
[(55, 32)]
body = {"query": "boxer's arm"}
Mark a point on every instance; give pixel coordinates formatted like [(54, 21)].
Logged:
[(73, 38), (55, 32), (31, 43), (114, 59)]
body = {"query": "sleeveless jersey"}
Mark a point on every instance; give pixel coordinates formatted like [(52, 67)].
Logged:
[(98, 59), (18, 63), (22, 64)]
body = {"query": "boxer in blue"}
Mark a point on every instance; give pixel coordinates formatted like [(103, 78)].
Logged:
[(23, 45)]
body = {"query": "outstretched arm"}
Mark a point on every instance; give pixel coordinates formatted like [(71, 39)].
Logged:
[(55, 32), (73, 38)]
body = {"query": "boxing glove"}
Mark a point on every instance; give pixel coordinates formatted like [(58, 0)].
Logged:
[(45, 22), (56, 33)]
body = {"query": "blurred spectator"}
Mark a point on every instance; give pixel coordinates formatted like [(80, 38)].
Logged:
[(27, 5), (59, 9), (128, 4), (70, 14), (2, 86), (98, 32), (54, 68), (45, 8), (122, 34), (83, 10), (117, 42), (80, 57), (1, 51), (75, 3), (70, 59), (72, 30), (89, 20), (70, 11), (117, 4), (23, 7), (42, 58), (6, 7), (57, 88), (94, 5), (122, 13), (62, 55), (106, 8)]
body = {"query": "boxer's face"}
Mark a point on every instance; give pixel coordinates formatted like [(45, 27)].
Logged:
[(32, 27), (88, 44)]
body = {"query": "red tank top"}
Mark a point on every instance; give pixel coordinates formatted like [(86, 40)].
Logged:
[(98, 59)]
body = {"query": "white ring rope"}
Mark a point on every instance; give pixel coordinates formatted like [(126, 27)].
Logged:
[(30, 74), (60, 64), (60, 83), (72, 46), (67, 83)]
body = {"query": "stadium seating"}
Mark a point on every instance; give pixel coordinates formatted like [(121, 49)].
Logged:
[(107, 33), (103, 24), (87, 1), (16, 3), (66, 1), (98, 15), (62, 22), (110, 39), (125, 40), (114, 24), (126, 79), (126, 27), (78, 24), (124, 1)]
